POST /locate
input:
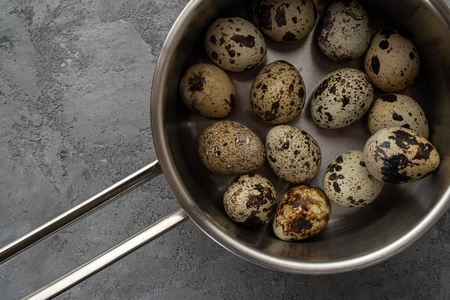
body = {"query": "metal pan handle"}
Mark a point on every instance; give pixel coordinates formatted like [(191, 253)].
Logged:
[(80, 211), (110, 256)]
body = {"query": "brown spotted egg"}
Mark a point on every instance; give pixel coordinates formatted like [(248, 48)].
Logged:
[(342, 98), (347, 181), (207, 89), (391, 61), (251, 199), (303, 212), (277, 94), (293, 154), (344, 31), (285, 20), (230, 148), (399, 155), (397, 110), (235, 44)]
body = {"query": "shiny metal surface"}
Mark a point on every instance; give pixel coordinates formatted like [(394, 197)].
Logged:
[(80, 211), (109, 257), (355, 237)]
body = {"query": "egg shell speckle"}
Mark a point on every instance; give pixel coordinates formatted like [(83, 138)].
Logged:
[(293, 154), (230, 148), (397, 110), (207, 89), (303, 212), (344, 32), (278, 94), (250, 200), (399, 155), (235, 44), (285, 21), (347, 181), (342, 98), (391, 61)]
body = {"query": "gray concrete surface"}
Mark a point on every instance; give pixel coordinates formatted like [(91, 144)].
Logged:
[(75, 81)]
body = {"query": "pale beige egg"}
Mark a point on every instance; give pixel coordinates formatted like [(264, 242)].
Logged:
[(230, 148), (399, 155), (293, 154), (397, 110), (207, 89), (344, 32), (235, 44), (285, 21), (278, 95), (341, 98), (347, 181), (250, 200), (391, 61)]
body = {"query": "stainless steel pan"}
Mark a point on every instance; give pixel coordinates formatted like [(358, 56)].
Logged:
[(355, 238)]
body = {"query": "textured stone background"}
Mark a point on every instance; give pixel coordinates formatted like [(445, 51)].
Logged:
[(75, 80)]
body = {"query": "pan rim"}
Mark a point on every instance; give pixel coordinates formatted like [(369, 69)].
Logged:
[(252, 254)]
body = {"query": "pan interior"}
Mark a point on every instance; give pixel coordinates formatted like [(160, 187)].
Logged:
[(354, 237)]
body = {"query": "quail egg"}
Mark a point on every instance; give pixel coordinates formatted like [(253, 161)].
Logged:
[(251, 199), (342, 98), (207, 89), (277, 94), (230, 148), (344, 32), (293, 154), (303, 212), (285, 20), (347, 181), (235, 44), (397, 110), (399, 155), (391, 61)]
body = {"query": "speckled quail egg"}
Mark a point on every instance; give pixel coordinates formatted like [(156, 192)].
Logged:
[(277, 94), (399, 155), (397, 110), (347, 181), (342, 98), (235, 44), (293, 154), (251, 199), (344, 31), (303, 212), (284, 20), (391, 61), (207, 89), (230, 148)]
